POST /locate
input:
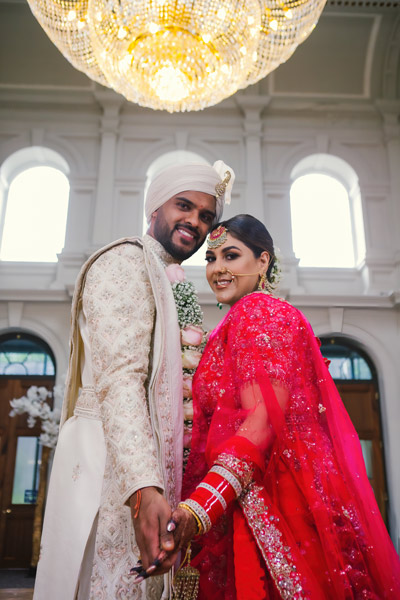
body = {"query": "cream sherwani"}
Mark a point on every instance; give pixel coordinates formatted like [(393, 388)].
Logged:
[(121, 426)]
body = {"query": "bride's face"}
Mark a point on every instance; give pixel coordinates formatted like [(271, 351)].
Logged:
[(229, 259)]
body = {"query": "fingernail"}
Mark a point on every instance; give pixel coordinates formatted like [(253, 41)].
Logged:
[(136, 569), (171, 526)]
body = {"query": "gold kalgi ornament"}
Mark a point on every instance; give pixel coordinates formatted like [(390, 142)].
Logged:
[(177, 55)]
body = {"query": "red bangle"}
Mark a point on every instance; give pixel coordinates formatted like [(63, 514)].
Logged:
[(214, 494)]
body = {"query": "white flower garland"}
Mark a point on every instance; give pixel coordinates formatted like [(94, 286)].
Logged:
[(34, 404), (190, 319)]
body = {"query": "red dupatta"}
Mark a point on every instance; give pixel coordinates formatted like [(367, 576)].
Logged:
[(308, 526)]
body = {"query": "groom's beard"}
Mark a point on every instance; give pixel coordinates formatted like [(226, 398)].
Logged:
[(164, 235)]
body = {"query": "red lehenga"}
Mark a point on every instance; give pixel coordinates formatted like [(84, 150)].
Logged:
[(307, 525)]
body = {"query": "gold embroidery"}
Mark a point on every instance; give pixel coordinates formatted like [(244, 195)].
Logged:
[(269, 539), (239, 468)]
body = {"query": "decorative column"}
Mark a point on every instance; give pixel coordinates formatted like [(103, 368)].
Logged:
[(252, 107), (80, 242), (274, 208), (103, 216), (390, 111)]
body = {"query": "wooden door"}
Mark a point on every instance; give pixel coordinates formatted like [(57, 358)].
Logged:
[(16, 507), (361, 400)]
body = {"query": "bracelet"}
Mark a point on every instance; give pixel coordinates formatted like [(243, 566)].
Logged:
[(214, 492), (201, 514), (229, 476), (199, 524)]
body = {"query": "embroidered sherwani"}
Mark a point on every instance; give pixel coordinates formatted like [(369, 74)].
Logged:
[(121, 426)]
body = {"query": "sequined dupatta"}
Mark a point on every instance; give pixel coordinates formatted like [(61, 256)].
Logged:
[(263, 394)]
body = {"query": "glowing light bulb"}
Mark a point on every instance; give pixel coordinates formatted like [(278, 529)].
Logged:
[(170, 84), (81, 23), (206, 38), (153, 27), (274, 25), (225, 68), (243, 50), (288, 14), (125, 62), (221, 14), (71, 16), (122, 33)]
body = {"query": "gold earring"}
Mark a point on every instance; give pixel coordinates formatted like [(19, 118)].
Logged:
[(263, 283)]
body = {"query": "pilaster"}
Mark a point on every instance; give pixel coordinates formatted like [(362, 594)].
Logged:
[(102, 223)]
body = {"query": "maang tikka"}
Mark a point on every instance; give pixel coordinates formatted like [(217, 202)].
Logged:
[(217, 237)]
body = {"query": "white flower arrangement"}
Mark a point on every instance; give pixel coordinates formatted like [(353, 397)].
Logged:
[(190, 319), (34, 404)]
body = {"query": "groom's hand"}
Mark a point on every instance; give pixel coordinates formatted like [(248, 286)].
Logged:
[(150, 517)]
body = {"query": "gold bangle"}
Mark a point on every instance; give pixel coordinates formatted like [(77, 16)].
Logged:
[(198, 522)]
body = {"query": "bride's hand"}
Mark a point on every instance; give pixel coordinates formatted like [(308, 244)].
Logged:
[(184, 527)]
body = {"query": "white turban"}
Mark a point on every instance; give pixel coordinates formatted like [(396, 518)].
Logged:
[(190, 177)]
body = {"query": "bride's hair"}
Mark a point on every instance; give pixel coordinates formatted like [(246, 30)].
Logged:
[(254, 235)]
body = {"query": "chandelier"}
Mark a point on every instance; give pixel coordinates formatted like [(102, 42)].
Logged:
[(177, 55)]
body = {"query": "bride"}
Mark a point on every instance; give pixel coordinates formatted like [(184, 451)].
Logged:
[(275, 491)]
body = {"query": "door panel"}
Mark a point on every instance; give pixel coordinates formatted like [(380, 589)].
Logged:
[(16, 519), (362, 403)]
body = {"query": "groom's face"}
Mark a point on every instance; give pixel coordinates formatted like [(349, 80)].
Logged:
[(183, 222)]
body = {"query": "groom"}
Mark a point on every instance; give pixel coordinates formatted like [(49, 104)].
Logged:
[(118, 464)]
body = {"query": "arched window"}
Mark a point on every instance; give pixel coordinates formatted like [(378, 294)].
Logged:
[(347, 362), (327, 226), (24, 355), (35, 206), (168, 160)]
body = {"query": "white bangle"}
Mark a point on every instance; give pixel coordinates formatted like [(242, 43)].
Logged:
[(235, 483), (214, 493), (201, 513)]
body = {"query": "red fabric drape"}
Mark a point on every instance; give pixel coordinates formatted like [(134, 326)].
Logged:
[(309, 526)]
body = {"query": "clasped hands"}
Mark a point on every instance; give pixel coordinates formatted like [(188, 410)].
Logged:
[(160, 534)]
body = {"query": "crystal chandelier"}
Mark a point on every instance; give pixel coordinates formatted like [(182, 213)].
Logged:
[(177, 55)]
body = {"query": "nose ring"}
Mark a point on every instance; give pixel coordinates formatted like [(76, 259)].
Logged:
[(225, 270)]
